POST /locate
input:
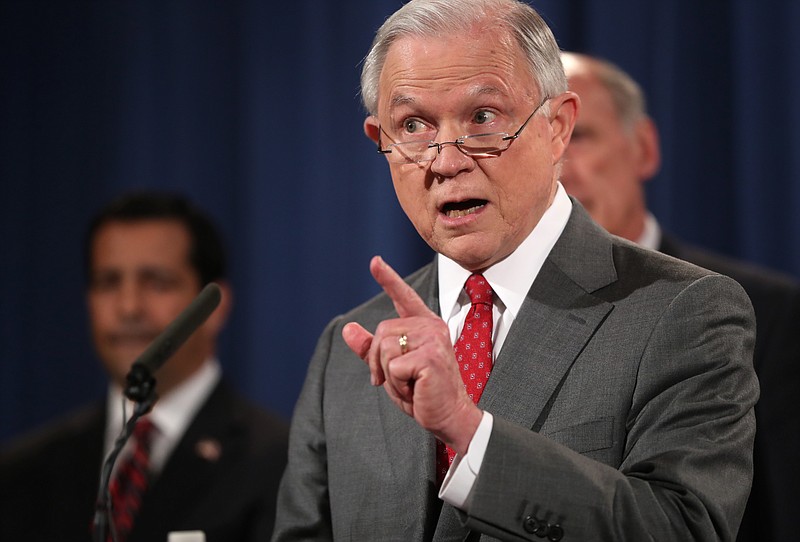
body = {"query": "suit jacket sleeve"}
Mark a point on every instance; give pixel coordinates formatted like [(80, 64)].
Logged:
[(303, 501), (686, 460)]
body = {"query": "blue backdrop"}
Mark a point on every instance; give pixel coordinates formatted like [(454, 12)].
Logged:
[(251, 108)]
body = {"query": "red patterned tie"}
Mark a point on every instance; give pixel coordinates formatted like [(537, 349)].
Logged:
[(130, 482), (473, 354)]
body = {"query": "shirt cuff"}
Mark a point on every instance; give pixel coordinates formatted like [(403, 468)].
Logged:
[(462, 474)]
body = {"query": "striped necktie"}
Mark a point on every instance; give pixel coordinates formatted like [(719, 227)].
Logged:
[(130, 483)]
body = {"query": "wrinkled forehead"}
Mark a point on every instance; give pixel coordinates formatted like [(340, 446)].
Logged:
[(472, 64)]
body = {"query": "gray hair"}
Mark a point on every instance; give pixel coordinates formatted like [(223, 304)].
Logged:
[(431, 18), (626, 94)]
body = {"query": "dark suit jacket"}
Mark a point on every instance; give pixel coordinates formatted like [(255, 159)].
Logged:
[(49, 481), (622, 401), (774, 502)]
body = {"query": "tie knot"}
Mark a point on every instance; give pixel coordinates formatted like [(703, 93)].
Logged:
[(478, 290)]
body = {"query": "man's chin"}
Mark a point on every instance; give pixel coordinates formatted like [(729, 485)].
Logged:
[(119, 361)]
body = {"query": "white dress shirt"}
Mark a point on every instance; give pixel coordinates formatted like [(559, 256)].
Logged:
[(510, 279), (170, 415), (651, 235)]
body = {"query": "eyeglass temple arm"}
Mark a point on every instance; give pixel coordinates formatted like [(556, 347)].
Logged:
[(380, 149), (524, 124)]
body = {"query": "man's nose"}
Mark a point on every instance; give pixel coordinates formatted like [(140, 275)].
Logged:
[(451, 160), (129, 300)]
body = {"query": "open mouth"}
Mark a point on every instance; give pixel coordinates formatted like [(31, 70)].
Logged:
[(458, 209)]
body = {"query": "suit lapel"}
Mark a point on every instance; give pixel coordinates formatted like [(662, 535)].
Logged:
[(555, 322), (209, 440), (413, 464), (557, 319), (444, 523), (412, 456), (408, 442)]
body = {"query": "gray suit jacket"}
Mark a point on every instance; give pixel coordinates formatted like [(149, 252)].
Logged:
[(771, 512), (623, 410)]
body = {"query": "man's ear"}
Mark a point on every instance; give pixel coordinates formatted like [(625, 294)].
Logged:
[(563, 113), (372, 128), (649, 149)]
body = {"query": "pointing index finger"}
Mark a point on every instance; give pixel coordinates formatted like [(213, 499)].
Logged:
[(406, 301)]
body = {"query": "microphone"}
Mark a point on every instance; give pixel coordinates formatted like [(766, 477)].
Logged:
[(140, 387), (140, 383)]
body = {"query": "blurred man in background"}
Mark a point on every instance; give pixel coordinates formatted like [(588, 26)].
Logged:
[(613, 152), (210, 460)]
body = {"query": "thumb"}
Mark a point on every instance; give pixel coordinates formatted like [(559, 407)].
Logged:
[(358, 339)]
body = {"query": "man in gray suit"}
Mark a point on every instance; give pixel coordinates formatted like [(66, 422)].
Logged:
[(620, 392)]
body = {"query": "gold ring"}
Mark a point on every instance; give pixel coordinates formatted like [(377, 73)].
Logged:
[(403, 340)]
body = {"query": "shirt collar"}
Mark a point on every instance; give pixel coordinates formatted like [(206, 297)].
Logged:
[(651, 235), (172, 413), (511, 278)]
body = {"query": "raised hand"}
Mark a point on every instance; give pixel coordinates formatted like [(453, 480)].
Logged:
[(422, 378)]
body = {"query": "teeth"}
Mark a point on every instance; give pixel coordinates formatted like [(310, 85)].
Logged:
[(458, 213)]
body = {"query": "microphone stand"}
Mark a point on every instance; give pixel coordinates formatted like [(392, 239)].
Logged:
[(141, 389)]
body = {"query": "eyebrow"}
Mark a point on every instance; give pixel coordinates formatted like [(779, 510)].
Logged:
[(486, 89), (478, 90), (402, 99)]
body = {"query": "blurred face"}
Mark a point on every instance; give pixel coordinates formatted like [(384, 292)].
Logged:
[(141, 279), (606, 163), (475, 210)]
